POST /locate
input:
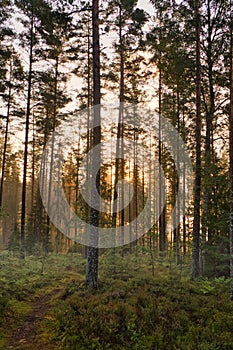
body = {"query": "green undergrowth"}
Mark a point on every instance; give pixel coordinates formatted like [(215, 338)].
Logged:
[(23, 282), (131, 309)]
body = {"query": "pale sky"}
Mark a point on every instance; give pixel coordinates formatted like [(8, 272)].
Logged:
[(146, 5), (74, 83)]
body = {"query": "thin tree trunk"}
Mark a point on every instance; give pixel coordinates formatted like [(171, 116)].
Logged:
[(40, 209), (121, 117), (162, 234), (33, 165), (24, 185), (231, 155), (6, 138), (89, 104), (92, 254), (183, 204), (119, 143), (178, 257), (196, 223), (130, 212), (135, 180), (208, 143), (52, 156), (143, 196)]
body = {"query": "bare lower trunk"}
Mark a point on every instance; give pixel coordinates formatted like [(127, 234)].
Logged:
[(162, 211)]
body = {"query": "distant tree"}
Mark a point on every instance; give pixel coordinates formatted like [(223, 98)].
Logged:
[(125, 74), (11, 194), (29, 9), (57, 32), (13, 83), (6, 35)]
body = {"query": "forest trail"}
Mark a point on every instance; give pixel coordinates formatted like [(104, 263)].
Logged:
[(28, 336)]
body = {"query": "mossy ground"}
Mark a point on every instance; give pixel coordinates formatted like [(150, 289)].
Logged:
[(51, 309)]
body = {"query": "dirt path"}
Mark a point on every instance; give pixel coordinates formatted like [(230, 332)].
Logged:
[(27, 336)]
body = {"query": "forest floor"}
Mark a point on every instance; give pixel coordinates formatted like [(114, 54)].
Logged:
[(28, 334), (44, 305), (28, 293)]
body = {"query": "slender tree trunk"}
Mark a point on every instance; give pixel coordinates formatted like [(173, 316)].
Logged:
[(231, 155), (162, 234), (33, 165), (135, 180), (89, 104), (196, 223), (24, 185), (77, 185), (6, 138), (143, 196), (92, 254), (178, 256), (130, 211), (52, 156), (121, 118), (38, 227), (184, 194), (119, 142), (208, 143)]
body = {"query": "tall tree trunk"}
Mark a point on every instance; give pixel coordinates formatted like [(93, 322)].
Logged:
[(120, 132), (6, 137), (162, 217), (39, 212), (121, 118), (143, 196), (92, 254), (196, 223), (24, 185), (209, 130), (33, 164), (52, 155), (89, 104), (135, 182), (178, 256), (183, 203), (231, 154)]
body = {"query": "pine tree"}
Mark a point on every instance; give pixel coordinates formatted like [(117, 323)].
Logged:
[(231, 150), (92, 255), (197, 199)]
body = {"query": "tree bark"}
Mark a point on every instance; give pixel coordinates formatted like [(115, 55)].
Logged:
[(52, 155), (162, 217), (178, 253), (24, 185), (197, 198), (231, 153), (120, 132), (5, 138), (92, 254), (208, 144)]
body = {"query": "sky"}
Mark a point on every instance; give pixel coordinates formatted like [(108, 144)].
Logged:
[(74, 83), (146, 5)]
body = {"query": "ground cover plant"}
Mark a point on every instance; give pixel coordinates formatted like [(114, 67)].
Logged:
[(52, 309)]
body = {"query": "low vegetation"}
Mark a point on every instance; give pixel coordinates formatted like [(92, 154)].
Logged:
[(130, 310)]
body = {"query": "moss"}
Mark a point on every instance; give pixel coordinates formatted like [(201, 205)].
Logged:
[(167, 311)]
